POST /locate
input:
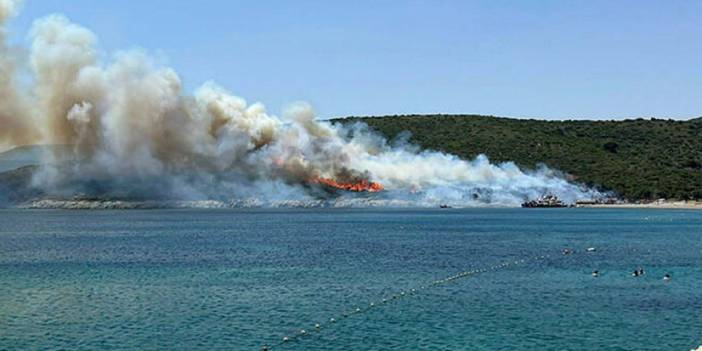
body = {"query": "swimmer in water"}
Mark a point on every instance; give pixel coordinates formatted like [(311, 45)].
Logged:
[(666, 277), (595, 274), (635, 274)]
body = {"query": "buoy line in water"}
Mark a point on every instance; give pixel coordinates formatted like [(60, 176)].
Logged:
[(319, 327)]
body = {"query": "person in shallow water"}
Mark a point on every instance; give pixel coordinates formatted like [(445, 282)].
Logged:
[(641, 271), (636, 273)]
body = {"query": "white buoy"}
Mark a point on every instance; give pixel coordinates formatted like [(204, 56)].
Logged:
[(590, 249), (317, 326), (332, 320), (286, 339)]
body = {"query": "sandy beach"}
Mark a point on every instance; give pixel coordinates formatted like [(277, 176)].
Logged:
[(684, 205)]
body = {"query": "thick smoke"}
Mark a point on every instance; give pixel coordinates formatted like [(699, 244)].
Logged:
[(15, 126), (137, 135)]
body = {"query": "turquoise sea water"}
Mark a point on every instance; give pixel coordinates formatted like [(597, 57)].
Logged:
[(241, 279)]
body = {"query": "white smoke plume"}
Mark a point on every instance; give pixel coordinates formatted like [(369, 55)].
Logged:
[(136, 134)]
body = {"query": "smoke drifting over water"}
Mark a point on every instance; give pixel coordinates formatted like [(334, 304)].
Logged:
[(137, 135)]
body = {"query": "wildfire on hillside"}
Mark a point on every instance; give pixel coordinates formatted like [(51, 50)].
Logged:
[(362, 185)]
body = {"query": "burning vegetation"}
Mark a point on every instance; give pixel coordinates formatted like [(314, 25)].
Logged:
[(135, 133), (361, 185)]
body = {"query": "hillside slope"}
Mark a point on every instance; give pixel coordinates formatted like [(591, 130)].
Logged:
[(639, 159), (31, 155)]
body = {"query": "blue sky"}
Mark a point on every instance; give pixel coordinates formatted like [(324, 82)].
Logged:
[(541, 59)]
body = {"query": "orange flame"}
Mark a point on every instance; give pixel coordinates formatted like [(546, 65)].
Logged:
[(362, 185)]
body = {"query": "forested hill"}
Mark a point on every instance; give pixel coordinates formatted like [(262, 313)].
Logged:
[(639, 159)]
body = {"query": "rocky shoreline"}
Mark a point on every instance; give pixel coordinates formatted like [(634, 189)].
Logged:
[(48, 204), (92, 204)]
